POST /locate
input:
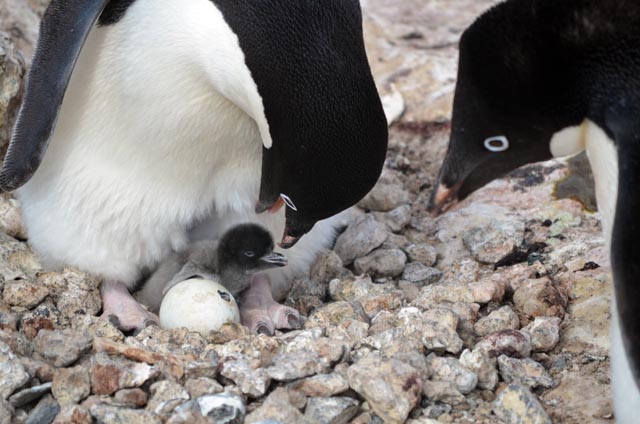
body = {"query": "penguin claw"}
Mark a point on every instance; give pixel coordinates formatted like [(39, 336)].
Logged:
[(122, 310), (113, 319), (151, 323), (261, 313), (294, 321), (264, 328)]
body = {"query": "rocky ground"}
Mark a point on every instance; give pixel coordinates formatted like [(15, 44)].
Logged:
[(495, 312)]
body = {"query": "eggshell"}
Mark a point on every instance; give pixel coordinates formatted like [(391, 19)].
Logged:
[(199, 305)]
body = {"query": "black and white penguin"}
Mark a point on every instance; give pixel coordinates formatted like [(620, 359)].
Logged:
[(151, 123), (545, 78)]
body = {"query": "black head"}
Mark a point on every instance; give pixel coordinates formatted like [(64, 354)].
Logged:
[(326, 121), (248, 248), (526, 71)]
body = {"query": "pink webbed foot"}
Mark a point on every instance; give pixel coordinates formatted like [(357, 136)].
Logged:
[(261, 313), (119, 307)]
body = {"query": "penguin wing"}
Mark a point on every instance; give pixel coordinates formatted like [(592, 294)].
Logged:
[(63, 31), (188, 271)]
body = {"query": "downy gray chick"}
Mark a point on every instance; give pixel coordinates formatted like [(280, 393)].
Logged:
[(243, 251)]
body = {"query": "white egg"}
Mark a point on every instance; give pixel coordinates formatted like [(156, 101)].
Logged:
[(199, 305)]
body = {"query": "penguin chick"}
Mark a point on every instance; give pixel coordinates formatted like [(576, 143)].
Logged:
[(242, 251), (545, 78)]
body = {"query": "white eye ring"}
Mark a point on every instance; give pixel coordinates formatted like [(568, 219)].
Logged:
[(499, 143), (288, 201)]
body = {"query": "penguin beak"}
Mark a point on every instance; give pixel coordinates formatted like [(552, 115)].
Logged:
[(442, 198), (291, 236), (274, 259), (288, 241), (269, 207)]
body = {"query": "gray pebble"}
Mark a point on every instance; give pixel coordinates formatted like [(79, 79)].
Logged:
[(382, 263), (117, 415), (451, 370), (416, 272), (423, 253), (392, 388), (44, 412), (479, 362), (395, 220), (544, 332), (491, 242), (526, 372), (71, 385), (223, 408), (517, 405), (334, 410), (360, 238), (29, 395), (322, 385), (62, 347), (6, 412), (501, 319), (24, 293), (292, 366), (442, 391), (440, 330), (384, 197), (277, 407), (506, 342), (252, 382), (12, 373)]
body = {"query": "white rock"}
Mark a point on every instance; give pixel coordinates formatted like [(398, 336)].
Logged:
[(199, 305)]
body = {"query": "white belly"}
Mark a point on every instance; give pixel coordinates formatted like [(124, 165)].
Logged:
[(145, 145), (603, 158), (604, 163)]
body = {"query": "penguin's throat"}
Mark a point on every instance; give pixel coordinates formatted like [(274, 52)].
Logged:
[(603, 157), (570, 140)]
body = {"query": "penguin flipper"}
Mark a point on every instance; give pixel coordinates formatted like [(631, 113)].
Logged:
[(63, 31)]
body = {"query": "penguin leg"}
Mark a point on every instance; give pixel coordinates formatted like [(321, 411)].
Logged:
[(261, 313), (119, 307)]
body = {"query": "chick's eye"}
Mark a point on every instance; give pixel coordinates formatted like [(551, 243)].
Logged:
[(498, 143), (249, 254)]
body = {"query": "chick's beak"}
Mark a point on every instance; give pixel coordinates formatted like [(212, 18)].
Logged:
[(274, 259)]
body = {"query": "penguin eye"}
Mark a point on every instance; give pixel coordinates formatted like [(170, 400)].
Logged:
[(287, 201), (249, 254), (499, 143)]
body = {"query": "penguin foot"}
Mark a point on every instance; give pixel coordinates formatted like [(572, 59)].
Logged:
[(122, 310), (261, 313)]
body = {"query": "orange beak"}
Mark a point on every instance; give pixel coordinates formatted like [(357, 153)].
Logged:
[(262, 207), (442, 198)]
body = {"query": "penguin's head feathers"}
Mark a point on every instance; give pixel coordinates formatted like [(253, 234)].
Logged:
[(325, 118), (521, 82), (247, 249)]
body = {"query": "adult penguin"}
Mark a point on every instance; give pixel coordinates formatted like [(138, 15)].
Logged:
[(545, 78), (171, 117)]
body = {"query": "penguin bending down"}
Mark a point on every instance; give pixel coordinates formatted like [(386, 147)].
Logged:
[(173, 120), (237, 261), (545, 78)]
